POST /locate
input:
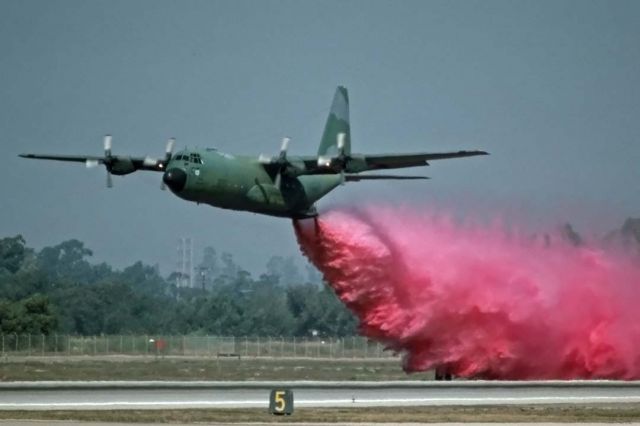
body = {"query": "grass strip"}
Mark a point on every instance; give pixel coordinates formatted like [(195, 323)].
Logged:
[(136, 368)]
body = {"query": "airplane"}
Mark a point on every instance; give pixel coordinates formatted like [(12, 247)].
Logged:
[(282, 185)]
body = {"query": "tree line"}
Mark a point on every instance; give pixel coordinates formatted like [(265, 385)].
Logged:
[(58, 290)]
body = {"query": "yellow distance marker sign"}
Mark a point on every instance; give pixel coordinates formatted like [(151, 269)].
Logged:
[(281, 401)]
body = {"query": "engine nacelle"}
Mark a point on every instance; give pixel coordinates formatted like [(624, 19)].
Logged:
[(121, 166)]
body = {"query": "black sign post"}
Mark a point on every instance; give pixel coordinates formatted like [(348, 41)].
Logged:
[(281, 402)]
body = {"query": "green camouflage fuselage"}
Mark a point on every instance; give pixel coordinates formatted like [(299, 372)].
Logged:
[(242, 183), (273, 185)]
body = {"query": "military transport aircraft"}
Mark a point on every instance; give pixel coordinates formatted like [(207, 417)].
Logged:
[(281, 185)]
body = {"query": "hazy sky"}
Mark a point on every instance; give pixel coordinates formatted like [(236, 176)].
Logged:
[(550, 88)]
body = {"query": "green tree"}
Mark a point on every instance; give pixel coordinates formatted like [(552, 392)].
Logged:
[(229, 268), (67, 260), (12, 253), (284, 269), (58, 289), (32, 315), (209, 266), (318, 308)]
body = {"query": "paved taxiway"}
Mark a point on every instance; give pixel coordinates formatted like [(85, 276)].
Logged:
[(172, 395)]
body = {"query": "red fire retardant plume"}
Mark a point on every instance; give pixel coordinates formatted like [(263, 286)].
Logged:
[(478, 300)]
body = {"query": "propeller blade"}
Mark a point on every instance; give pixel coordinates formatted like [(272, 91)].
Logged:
[(169, 150), (107, 146), (283, 149), (285, 144), (265, 159), (341, 141), (280, 161), (107, 159), (168, 153)]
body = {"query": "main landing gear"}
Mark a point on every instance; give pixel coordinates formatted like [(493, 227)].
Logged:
[(443, 374)]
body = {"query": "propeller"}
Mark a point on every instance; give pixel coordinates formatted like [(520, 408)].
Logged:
[(108, 159), (280, 160), (124, 165), (168, 153), (340, 160)]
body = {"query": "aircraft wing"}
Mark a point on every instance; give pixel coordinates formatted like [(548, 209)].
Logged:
[(124, 163), (74, 158), (115, 164), (396, 161), (357, 163)]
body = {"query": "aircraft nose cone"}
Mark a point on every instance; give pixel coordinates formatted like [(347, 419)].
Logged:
[(175, 179)]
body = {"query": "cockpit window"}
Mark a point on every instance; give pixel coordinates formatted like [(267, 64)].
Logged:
[(194, 157)]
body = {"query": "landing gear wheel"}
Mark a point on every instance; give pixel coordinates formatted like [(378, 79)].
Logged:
[(443, 374)]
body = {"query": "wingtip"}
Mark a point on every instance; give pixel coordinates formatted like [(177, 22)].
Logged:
[(23, 155)]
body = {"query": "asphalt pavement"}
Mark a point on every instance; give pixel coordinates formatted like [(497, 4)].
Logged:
[(174, 395)]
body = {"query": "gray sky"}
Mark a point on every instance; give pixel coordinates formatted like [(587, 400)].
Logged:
[(550, 88)]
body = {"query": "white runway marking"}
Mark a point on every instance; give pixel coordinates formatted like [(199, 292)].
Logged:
[(141, 395), (325, 402)]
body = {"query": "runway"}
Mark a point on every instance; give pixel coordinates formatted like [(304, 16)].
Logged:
[(174, 395)]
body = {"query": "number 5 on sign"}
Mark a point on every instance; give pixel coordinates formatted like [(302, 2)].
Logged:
[(281, 401)]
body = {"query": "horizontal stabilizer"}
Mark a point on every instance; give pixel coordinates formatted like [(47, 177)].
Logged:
[(357, 178)]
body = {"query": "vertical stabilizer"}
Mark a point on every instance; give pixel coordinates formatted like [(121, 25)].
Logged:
[(337, 122)]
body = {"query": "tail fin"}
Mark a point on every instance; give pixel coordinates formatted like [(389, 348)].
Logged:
[(337, 122)]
